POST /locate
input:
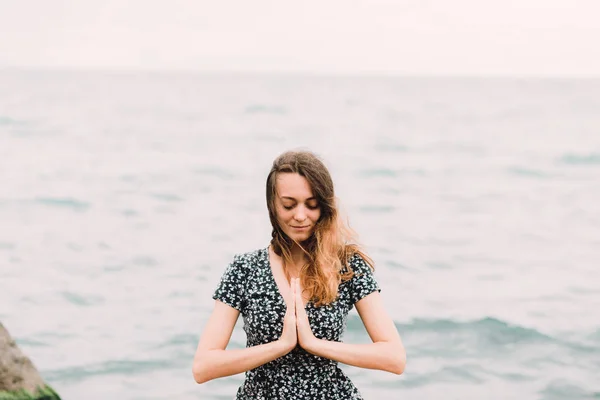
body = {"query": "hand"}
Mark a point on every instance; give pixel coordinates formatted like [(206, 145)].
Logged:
[(289, 337), (306, 338)]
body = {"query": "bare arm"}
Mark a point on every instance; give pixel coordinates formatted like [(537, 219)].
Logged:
[(385, 353), (213, 361)]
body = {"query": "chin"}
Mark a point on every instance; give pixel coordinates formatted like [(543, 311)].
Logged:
[(304, 238), (301, 238)]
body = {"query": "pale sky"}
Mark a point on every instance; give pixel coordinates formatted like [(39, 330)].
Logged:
[(414, 37)]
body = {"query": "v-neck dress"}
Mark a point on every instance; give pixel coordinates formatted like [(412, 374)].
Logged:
[(248, 285)]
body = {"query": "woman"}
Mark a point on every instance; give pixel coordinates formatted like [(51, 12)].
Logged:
[(294, 297)]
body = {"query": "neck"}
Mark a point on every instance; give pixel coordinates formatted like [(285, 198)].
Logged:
[(298, 260), (297, 254)]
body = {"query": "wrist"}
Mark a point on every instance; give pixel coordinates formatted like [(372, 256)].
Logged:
[(284, 347), (313, 345)]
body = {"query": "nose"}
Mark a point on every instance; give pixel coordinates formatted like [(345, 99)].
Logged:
[(300, 214)]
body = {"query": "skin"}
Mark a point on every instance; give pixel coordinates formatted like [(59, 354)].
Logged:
[(296, 207)]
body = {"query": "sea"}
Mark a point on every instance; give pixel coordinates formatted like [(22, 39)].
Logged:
[(125, 194)]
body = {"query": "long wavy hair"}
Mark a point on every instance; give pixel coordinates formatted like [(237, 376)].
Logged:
[(332, 242)]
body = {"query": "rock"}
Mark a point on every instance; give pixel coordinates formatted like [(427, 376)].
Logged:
[(19, 379)]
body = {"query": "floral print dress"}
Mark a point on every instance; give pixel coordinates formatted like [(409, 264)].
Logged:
[(248, 285)]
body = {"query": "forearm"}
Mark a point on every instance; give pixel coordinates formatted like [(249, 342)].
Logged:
[(212, 364), (387, 356)]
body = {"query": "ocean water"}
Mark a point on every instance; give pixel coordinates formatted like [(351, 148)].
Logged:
[(124, 195)]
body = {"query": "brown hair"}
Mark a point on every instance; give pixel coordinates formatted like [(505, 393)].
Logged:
[(332, 243)]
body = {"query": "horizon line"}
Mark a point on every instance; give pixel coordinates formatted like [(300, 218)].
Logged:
[(289, 72)]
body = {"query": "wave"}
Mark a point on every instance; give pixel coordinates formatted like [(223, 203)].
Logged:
[(82, 300), (167, 197), (581, 159), (25, 342), (446, 337), (7, 246), (595, 336), (458, 373), (391, 148), (451, 351), (216, 172), (64, 202), (378, 172), (390, 173), (7, 121), (496, 329), (186, 339), (265, 109), (563, 389), (376, 209), (111, 367), (528, 172)]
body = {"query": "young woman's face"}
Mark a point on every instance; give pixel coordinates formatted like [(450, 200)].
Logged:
[(297, 209)]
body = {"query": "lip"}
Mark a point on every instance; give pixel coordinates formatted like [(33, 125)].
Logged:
[(301, 227)]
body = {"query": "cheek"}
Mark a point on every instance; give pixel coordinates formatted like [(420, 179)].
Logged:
[(316, 215), (282, 216)]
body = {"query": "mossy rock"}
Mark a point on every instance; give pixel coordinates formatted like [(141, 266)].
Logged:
[(19, 379), (46, 393)]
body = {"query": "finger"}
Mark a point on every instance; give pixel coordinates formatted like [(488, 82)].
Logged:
[(293, 302), (299, 303)]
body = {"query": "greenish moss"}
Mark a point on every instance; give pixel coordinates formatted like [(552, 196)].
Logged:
[(45, 393)]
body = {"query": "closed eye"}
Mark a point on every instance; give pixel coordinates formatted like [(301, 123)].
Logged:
[(310, 206)]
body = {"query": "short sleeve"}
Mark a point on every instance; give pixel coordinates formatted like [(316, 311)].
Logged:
[(230, 289), (363, 281)]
